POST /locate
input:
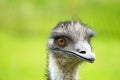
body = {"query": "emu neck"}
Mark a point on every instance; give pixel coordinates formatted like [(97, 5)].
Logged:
[(61, 68)]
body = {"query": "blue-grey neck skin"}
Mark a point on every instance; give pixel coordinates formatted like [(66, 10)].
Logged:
[(64, 62)]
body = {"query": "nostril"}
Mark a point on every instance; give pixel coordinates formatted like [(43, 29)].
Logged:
[(83, 52)]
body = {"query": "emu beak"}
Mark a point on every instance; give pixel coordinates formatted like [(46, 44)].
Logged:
[(83, 51), (89, 57)]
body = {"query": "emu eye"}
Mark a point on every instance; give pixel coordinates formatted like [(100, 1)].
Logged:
[(61, 41)]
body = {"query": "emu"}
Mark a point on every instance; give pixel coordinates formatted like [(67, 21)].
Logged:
[(68, 46)]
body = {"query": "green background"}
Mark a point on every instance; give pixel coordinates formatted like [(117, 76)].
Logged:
[(25, 27)]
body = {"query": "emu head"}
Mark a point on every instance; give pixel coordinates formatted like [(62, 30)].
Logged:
[(71, 40)]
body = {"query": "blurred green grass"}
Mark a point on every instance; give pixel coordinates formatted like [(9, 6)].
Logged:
[(25, 27)]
